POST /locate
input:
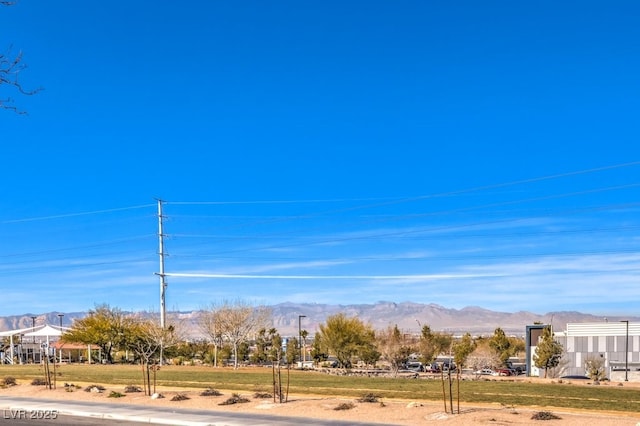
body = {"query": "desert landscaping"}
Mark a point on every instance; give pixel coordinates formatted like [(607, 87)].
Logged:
[(391, 411)]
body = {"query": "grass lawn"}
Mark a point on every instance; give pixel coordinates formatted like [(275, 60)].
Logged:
[(518, 392)]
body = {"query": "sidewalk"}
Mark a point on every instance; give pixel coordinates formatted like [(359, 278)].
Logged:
[(154, 416), (107, 411)]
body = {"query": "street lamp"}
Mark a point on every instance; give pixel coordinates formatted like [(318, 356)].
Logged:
[(33, 350), (33, 327), (302, 355), (626, 352), (60, 316)]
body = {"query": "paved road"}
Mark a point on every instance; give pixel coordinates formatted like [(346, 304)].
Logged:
[(66, 421), (36, 411)]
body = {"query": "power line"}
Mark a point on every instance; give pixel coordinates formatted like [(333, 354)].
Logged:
[(66, 215), (420, 197), (387, 234), (327, 277)]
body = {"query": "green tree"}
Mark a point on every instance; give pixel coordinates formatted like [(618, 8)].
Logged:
[(517, 345), (462, 349), (344, 338), (548, 352), (501, 345), (318, 353), (303, 343), (368, 353), (104, 327), (259, 354), (290, 356), (189, 350), (225, 353), (432, 344), (270, 346)]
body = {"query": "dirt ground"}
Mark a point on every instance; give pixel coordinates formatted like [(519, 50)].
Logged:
[(394, 412)]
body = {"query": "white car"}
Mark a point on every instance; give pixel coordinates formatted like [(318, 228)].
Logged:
[(484, 372)]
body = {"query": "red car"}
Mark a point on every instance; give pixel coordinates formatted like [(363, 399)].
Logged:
[(504, 372)]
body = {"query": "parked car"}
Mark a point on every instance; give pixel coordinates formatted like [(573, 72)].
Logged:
[(415, 366), (520, 369), (505, 372), (432, 368), (448, 366), (484, 372)]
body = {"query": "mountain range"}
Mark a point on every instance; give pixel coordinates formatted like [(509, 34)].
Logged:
[(408, 316)]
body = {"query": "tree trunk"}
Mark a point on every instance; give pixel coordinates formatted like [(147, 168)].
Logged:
[(273, 374), (148, 377), (450, 391), (286, 399), (444, 395), (279, 383), (235, 355), (144, 380), (458, 388)]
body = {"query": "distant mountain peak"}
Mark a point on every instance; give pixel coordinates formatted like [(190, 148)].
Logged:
[(408, 316)]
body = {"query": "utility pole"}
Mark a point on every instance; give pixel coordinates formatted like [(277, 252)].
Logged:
[(163, 284)]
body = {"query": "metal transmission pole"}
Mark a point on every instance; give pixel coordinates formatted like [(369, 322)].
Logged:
[(163, 284)]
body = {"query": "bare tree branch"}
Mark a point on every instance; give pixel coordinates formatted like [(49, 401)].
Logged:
[(10, 68)]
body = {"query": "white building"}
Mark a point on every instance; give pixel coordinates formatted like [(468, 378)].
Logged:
[(617, 343)]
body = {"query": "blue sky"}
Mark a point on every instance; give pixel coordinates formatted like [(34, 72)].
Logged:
[(458, 153)]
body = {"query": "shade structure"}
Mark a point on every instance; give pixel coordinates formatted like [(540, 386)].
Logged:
[(46, 331)]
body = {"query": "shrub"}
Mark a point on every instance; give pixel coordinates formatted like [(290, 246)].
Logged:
[(94, 388), (210, 392), (115, 394), (9, 381), (235, 399), (369, 397), (345, 406), (544, 415), (38, 382), (262, 395), (70, 387), (132, 389), (179, 397)]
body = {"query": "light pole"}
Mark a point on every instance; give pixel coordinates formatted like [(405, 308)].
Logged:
[(626, 352), (60, 316), (33, 327), (33, 349), (302, 356)]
